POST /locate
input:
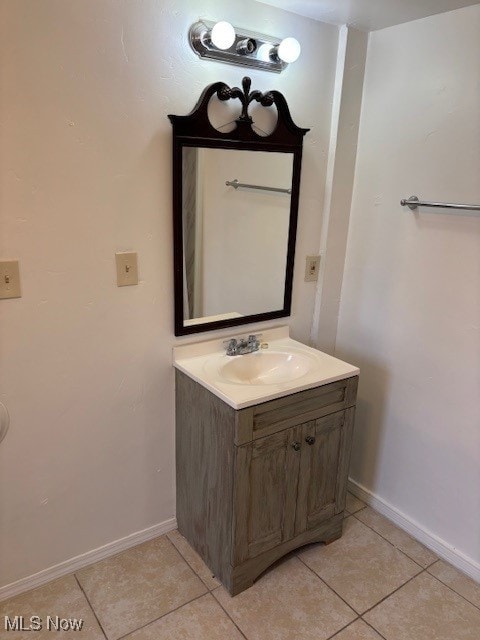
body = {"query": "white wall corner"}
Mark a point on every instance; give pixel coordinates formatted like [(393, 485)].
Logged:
[(346, 109)]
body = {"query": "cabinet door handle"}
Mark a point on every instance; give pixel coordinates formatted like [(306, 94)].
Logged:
[(310, 440), (296, 446)]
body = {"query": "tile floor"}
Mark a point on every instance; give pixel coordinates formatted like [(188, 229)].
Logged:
[(375, 582)]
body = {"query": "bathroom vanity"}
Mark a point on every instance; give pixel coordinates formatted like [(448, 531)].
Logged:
[(263, 438), (263, 446)]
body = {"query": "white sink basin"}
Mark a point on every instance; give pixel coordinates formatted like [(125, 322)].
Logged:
[(285, 367), (263, 367)]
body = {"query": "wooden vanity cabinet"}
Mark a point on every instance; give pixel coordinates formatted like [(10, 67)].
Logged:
[(256, 483)]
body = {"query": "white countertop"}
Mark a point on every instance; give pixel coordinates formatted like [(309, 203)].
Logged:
[(202, 362)]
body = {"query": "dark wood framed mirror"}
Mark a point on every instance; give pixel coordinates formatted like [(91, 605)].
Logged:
[(235, 207)]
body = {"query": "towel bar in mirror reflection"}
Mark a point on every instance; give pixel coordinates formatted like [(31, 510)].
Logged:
[(241, 185)]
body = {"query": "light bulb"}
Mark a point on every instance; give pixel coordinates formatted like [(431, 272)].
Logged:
[(289, 50), (264, 52), (223, 35)]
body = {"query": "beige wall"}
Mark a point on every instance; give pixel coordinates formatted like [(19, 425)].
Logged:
[(410, 306), (85, 171)]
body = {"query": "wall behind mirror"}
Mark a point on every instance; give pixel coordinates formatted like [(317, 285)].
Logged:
[(235, 241)]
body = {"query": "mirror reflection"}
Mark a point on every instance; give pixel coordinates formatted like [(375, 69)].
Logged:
[(235, 237)]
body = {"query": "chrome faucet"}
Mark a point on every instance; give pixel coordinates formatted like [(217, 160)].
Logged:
[(242, 346)]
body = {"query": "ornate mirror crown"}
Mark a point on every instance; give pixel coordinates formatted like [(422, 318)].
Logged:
[(198, 122)]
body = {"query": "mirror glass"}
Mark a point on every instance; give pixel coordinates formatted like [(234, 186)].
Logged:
[(235, 238)]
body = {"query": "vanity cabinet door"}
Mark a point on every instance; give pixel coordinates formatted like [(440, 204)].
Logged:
[(266, 482), (324, 463)]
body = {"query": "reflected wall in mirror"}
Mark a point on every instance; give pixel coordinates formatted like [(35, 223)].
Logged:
[(235, 213), (235, 239)]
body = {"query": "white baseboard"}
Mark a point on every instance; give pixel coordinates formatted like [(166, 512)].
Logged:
[(83, 560), (437, 545), (430, 540)]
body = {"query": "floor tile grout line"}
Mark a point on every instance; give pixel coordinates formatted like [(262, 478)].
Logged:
[(192, 568), (394, 591), (342, 629), (403, 585), (384, 538), (380, 601), (359, 616), (226, 612), (352, 513), (452, 589), (210, 591), (394, 546), (126, 635), (165, 535), (91, 606), (327, 585), (372, 627), (113, 555), (425, 568), (432, 563)]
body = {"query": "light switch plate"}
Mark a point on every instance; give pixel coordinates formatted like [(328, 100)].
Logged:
[(312, 266), (9, 279), (127, 269)]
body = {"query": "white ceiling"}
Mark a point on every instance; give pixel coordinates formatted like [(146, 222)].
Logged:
[(368, 15)]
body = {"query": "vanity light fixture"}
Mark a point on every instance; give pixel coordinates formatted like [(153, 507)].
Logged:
[(221, 41)]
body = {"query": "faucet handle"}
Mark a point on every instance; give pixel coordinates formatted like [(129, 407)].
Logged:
[(253, 341), (231, 346)]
